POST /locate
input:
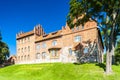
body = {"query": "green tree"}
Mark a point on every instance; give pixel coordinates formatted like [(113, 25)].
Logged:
[(4, 50), (117, 53), (107, 15)]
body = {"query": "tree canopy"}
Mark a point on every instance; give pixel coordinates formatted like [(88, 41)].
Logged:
[(4, 50), (106, 13)]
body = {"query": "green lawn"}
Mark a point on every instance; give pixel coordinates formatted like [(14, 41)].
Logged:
[(57, 71)]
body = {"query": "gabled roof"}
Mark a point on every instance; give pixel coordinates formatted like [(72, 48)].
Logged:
[(49, 36)]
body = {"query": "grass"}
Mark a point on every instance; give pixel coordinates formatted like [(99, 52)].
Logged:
[(57, 71)]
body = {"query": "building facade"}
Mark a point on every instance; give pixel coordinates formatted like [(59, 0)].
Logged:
[(81, 43)]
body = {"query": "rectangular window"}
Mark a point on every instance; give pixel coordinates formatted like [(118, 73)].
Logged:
[(24, 40), (70, 51), (82, 27), (77, 38), (25, 49), (85, 50), (54, 53), (21, 41), (28, 39), (28, 48), (18, 50), (22, 50)]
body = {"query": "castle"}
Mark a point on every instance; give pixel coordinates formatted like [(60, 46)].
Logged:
[(65, 45)]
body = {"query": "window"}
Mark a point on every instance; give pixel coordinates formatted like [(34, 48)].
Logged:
[(38, 56), (54, 43), (22, 50), (25, 49), (54, 53), (44, 45), (28, 57), (18, 41), (77, 28), (18, 50), (85, 50), (70, 51), (25, 57), (72, 29), (28, 48), (21, 41), (37, 46), (25, 40), (77, 38), (21, 57), (28, 39), (43, 55), (82, 27), (18, 58)]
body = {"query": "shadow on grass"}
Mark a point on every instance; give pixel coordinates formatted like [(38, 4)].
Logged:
[(78, 63), (101, 65)]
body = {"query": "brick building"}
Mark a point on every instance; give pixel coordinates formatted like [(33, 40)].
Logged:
[(82, 43)]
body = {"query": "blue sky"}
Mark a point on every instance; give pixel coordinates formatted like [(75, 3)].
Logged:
[(23, 15)]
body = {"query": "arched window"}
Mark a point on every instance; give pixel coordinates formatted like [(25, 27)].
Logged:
[(54, 43), (38, 47), (38, 56), (44, 45), (43, 55)]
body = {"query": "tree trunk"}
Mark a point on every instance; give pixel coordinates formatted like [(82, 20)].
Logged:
[(108, 62), (113, 55)]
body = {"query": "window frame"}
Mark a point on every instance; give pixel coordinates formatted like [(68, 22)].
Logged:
[(76, 39), (54, 42)]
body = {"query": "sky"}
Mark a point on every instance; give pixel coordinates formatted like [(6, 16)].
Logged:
[(23, 15)]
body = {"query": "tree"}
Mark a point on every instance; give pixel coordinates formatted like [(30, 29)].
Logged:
[(4, 50), (117, 53), (106, 13)]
